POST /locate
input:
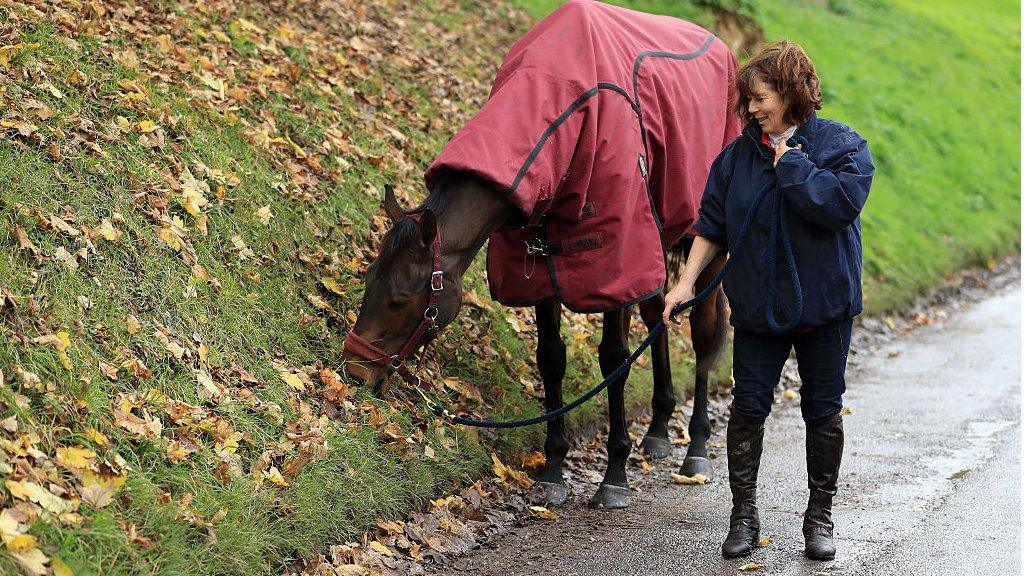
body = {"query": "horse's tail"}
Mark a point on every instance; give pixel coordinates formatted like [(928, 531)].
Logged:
[(674, 260)]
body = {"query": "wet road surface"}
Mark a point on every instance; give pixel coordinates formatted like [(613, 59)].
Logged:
[(930, 479)]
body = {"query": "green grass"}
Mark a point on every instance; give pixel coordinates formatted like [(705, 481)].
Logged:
[(935, 89)]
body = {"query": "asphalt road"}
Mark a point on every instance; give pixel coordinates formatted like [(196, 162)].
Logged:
[(930, 479)]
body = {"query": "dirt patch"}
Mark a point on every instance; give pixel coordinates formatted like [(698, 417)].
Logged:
[(740, 32)]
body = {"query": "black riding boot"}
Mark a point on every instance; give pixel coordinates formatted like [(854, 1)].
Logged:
[(743, 445), (824, 453)]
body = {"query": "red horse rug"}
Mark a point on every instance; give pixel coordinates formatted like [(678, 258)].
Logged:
[(602, 125)]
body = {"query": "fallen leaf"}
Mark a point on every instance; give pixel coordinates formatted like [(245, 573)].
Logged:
[(26, 490), (263, 215), (75, 457), (98, 490), (542, 512), (696, 479), (60, 568), (332, 285), (750, 567), (274, 475)]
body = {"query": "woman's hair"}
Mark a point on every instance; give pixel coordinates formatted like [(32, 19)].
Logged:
[(785, 67)]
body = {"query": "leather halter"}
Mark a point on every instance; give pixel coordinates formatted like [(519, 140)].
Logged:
[(424, 333)]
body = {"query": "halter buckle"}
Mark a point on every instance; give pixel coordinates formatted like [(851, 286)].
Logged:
[(395, 363), (437, 281)]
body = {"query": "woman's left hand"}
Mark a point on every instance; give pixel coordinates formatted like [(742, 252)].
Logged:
[(781, 149)]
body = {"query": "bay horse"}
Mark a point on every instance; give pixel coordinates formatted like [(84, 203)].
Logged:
[(597, 184)]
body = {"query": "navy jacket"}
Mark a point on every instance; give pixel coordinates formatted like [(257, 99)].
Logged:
[(824, 189)]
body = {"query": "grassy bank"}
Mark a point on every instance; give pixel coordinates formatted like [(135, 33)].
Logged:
[(189, 198), (935, 89)]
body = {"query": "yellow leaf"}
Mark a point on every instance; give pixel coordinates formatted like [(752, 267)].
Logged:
[(292, 380), (332, 285), (21, 542), (60, 568), (9, 526), (381, 548), (764, 541), (98, 489), (750, 567), (96, 436), (696, 479), (264, 215), (274, 475), (176, 350), (542, 512), (132, 324), (107, 230), (75, 457), (31, 491), (147, 126), (193, 193), (123, 124), (33, 561), (206, 381), (166, 233)]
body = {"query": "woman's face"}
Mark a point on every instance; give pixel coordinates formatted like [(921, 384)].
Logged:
[(767, 107)]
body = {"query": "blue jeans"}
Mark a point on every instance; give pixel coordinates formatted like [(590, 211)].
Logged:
[(821, 358)]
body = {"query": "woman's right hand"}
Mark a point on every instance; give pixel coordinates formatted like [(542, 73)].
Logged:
[(681, 293)]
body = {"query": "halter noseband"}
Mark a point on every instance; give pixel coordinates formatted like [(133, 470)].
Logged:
[(424, 333)]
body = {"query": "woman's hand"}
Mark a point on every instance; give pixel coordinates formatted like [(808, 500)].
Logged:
[(780, 149), (681, 293)]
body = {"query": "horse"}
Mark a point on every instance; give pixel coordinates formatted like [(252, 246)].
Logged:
[(601, 213)]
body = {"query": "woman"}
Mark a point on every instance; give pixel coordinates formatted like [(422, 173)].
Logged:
[(822, 184)]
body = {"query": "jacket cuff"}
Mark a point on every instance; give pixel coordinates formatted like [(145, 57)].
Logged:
[(706, 230)]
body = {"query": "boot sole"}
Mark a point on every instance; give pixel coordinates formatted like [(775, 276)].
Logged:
[(732, 556), (819, 558)]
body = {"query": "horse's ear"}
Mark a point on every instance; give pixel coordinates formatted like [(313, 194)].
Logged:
[(391, 207), (428, 226)]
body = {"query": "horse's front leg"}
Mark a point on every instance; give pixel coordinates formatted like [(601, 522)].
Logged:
[(551, 365), (708, 328), (613, 350), (656, 442)]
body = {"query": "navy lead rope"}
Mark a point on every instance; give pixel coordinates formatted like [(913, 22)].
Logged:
[(778, 221)]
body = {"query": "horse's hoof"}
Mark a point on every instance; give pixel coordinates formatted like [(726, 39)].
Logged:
[(694, 465), (610, 496), (656, 448), (550, 494)]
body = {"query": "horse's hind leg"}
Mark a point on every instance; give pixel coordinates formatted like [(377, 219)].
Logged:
[(551, 365), (613, 351), (656, 442), (708, 329)]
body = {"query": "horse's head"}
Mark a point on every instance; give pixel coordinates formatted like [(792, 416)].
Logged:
[(408, 295)]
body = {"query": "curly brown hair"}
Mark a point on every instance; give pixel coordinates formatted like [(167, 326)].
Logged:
[(785, 67)]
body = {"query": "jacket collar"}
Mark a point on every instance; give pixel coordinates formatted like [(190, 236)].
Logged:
[(754, 132)]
